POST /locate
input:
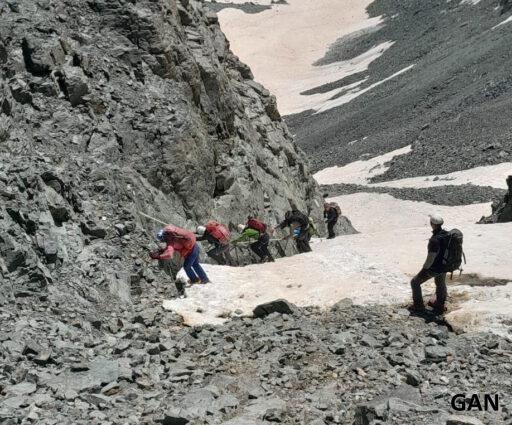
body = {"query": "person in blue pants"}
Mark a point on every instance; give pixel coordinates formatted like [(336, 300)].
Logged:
[(192, 267)]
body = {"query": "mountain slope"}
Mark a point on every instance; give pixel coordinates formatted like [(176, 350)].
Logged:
[(450, 102), (109, 108)]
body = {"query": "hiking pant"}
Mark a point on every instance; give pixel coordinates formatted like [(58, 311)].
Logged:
[(302, 241), (220, 253), (260, 247), (330, 229), (192, 267), (422, 277)]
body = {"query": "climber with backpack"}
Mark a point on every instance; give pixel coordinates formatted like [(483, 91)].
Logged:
[(183, 242), (332, 211), (444, 256), (255, 230), (299, 229), (218, 235)]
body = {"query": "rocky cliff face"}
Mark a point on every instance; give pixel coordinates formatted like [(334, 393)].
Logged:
[(110, 107), (502, 208)]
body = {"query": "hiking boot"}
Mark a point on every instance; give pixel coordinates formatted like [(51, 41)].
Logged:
[(416, 308), (204, 282), (439, 310)]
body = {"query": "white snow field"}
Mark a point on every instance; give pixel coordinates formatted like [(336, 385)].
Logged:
[(281, 45), (373, 267), (360, 172)]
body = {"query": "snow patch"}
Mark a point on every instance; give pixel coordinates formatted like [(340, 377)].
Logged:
[(334, 103), (322, 277), (288, 37), (359, 172), (506, 21)]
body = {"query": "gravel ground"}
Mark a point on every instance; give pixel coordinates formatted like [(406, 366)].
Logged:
[(452, 106), (446, 195), (139, 365)]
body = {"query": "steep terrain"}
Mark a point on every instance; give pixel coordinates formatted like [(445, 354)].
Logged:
[(451, 105), (109, 108)]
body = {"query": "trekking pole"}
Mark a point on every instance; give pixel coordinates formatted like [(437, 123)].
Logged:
[(152, 218)]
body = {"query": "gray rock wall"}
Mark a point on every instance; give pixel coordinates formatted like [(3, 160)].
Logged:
[(112, 107)]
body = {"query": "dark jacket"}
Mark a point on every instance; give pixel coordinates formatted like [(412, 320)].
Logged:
[(437, 246), (331, 215), (208, 237), (294, 216)]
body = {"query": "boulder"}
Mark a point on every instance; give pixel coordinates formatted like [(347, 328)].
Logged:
[(278, 306), (75, 84), (501, 210)]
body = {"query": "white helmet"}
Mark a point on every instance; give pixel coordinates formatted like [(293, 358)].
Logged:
[(200, 230), (436, 219), (241, 227)]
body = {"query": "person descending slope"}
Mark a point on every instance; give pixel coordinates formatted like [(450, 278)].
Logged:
[(299, 229), (331, 213), (441, 247), (256, 229), (184, 242), (218, 235)]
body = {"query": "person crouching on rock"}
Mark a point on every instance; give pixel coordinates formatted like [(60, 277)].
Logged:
[(432, 269), (299, 229), (218, 235), (255, 229), (184, 242)]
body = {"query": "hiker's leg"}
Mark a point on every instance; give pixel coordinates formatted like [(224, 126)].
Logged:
[(188, 264), (265, 240), (196, 267), (216, 254), (330, 229), (416, 283), (303, 242), (441, 291), (256, 248)]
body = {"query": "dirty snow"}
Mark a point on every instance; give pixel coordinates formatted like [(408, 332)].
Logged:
[(342, 100), (374, 266), (281, 45), (360, 172), (328, 274)]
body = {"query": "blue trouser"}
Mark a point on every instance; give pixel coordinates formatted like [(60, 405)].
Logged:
[(192, 267)]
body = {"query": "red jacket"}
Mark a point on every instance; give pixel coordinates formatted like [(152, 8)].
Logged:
[(177, 239)]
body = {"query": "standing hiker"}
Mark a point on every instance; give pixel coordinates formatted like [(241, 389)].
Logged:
[(432, 268), (256, 230), (218, 235), (184, 242), (331, 213), (299, 229)]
